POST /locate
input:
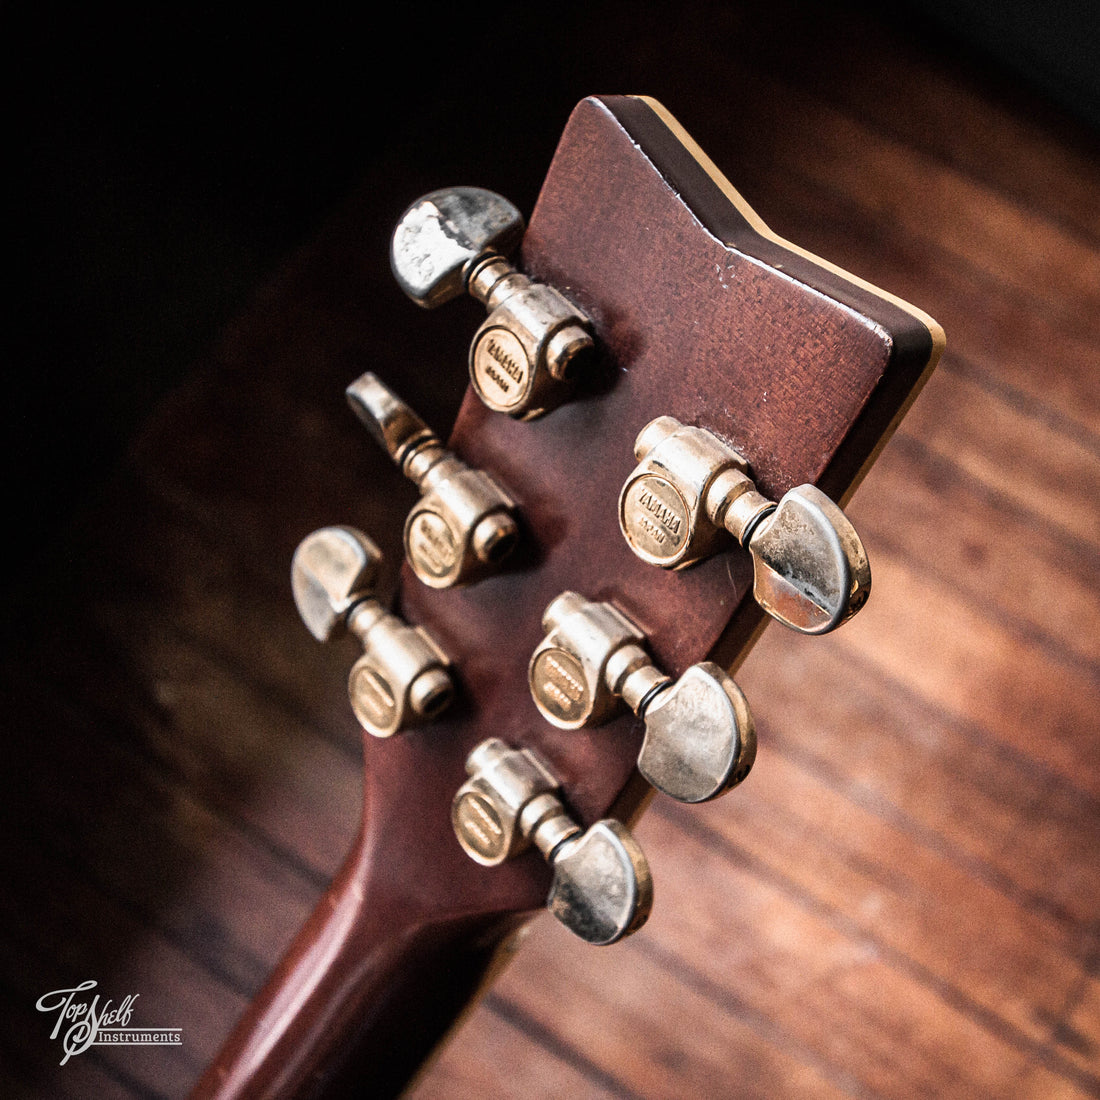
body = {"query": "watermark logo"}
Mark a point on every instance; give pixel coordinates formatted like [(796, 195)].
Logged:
[(81, 1023)]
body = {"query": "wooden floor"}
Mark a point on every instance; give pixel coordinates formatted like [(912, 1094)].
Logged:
[(904, 897)]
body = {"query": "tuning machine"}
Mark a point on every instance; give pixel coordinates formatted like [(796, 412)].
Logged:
[(462, 528), (699, 735), (689, 489), (602, 888), (402, 678), (525, 356)]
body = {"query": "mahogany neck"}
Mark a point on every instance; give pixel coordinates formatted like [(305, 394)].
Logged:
[(361, 998)]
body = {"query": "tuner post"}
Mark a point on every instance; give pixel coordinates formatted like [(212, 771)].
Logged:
[(463, 526), (602, 889), (403, 677), (700, 738), (526, 355), (690, 491)]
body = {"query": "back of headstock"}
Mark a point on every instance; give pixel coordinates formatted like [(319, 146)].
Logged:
[(700, 314)]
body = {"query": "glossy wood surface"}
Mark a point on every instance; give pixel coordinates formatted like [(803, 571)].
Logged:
[(900, 901)]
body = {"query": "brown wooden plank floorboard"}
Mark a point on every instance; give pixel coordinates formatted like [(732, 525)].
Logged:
[(902, 900), (986, 544), (507, 1051), (966, 802)]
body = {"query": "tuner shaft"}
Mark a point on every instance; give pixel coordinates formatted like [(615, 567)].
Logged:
[(690, 491), (602, 889), (463, 526), (524, 357)]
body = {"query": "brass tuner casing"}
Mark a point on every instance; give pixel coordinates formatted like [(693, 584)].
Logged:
[(526, 355), (463, 526), (575, 671), (602, 889), (691, 491), (700, 738)]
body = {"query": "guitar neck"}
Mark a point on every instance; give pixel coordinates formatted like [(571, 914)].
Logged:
[(366, 991)]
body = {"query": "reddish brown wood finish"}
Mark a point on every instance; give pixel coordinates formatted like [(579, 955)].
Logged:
[(700, 316)]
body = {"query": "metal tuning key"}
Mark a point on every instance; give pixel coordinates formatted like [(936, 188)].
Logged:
[(699, 735), (525, 356), (402, 678), (602, 888), (462, 528), (690, 489)]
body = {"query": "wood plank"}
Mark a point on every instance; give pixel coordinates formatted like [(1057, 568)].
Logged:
[(633, 1045), (926, 99), (1077, 1028), (928, 915), (233, 916), (991, 549), (1050, 481), (213, 730), (504, 1053), (124, 957), (979, 671), (733, 927), (950, 785)]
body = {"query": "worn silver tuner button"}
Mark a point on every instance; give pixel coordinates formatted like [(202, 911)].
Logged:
[(700, 739), (690, 491), (602, 888), (402, 678), (525, 356), (463, 526)]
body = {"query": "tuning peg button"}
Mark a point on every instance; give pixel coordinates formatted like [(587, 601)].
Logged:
[(463, 526), (690, 491), (700, 738), (602, 889), (402, 678), (525, 356)]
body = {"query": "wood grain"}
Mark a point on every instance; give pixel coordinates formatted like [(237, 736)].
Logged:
[(902, 899)]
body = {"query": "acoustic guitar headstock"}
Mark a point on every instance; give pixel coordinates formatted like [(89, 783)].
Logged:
[(666, 435)]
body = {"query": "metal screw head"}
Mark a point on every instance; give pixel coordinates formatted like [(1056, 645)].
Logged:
[(440, 236), (332, 570)]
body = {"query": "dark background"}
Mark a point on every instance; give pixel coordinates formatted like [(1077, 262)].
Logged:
[(165, 163)]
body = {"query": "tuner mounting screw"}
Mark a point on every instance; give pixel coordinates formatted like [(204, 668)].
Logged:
[(700, 738), (690, 491), (525, 356), (602, 889), (463, 526), (402, 678)]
